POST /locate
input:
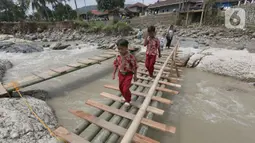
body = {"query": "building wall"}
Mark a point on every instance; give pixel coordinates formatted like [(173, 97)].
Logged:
[(134, 8), (169, 8), (249, 13), (163, 18)]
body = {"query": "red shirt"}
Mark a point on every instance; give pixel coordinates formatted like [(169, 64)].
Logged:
[(126, 63), (152, 46)]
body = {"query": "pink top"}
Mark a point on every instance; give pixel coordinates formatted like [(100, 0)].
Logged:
[(126, 63), (152, 46)]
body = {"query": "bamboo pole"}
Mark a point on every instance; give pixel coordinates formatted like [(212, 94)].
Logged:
[(139, 116)]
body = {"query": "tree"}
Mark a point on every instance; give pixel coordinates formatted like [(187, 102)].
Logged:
[(109, 4), (39, 5), (10, 12), (63, 12)]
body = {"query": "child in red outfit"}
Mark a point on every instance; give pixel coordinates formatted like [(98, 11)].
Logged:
[(127, 66), (153, 48)]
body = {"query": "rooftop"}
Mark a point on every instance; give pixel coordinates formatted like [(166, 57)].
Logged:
[(138, 4)]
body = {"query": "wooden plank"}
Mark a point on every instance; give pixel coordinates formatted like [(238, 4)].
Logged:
[(111, 127), (161, 82), (144, 85), (69, 136), (155, 98), (158, 67), (47, 74), (171, 79), (106, 56), (27, 80), (75, 65), (87, 61), (137, 105), (62, 69), (3, 92), (97, 58), (122, 113), (159, 99), (171, 75), (157, 88), (111, 53)]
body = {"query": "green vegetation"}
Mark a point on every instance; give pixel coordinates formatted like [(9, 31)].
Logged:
[(121, 28), (109, 4), (10, 11)]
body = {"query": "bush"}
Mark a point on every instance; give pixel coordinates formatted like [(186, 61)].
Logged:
[(123, 28), (79, 23), (99, 26), (110, 29)]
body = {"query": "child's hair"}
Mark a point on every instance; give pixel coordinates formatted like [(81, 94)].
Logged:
[(151, 29), (171, 27), (122, 42)]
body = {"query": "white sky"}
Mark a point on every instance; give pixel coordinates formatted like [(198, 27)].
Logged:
[(81, 3)]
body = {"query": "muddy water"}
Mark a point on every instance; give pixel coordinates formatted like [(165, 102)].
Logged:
[(24, 64), (210, 109)]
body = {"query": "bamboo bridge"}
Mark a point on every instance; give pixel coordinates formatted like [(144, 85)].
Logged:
[(150, 92)]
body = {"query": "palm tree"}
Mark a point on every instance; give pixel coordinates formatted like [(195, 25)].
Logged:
[(76, 8), (39, 5)]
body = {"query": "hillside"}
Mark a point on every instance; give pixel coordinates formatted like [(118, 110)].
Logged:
[(91, 7)]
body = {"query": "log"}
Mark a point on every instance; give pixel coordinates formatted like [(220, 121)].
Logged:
[(75, 65), (122, 113), (170, 79), (161, 82), (111, 127), (47, 74), (157, 88), (69, 136), (63, 69), (97, 58), (88, 62), (135, 104)]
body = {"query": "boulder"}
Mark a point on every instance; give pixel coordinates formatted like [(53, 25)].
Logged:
[(194, 60), (251, 46), (19, 125), (59, 46), (4, 65), (21, 48), (186, 54), (112, 46)]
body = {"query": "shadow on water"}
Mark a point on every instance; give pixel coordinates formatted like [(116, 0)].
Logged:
[(209, 109)]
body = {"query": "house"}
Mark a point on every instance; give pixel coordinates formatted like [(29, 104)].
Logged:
[(172, 5), (137, 8)]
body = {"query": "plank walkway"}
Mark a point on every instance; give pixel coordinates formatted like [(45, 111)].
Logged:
[(171, 74)]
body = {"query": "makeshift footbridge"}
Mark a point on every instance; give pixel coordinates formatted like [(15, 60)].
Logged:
[(120, 124)]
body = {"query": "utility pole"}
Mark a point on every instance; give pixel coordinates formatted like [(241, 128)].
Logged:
[(202, 14)]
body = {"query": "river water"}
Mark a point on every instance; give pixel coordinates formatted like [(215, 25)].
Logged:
[(209, 109)]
